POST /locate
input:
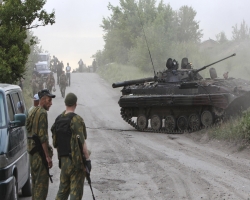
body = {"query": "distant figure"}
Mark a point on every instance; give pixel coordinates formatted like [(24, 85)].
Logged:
[(50, 82), (39, 82), (80, 63), (94, 65), (54, 63), (59, 70), (225, 75), (68, 69), (33, 84), (63, 83)]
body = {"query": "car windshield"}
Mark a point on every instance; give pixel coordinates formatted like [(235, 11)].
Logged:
[(41, 67), (2, 112)]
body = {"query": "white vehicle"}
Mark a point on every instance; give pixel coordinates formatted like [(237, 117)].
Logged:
[(44, 57)]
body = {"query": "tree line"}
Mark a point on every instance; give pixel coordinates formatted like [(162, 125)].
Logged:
[(169, 33)]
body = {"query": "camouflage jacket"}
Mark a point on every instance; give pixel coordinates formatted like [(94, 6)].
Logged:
[(50, 81), (37, 123), (63, 80), (77, 127)]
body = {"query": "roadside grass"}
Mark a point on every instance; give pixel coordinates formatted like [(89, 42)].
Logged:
[(117, 73), (235, 130)]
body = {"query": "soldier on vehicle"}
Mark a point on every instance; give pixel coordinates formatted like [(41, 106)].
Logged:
[(68, 69), (50, 81), (37, 124), (67, 127), (63, 83)]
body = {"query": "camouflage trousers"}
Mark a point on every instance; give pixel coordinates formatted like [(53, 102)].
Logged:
[(40, 179), (71, 181), (63, 88)]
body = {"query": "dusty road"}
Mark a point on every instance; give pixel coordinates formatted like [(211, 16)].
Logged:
[(128, 164)]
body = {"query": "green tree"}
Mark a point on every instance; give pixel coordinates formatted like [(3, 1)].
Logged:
[(243, 33), (16, 18), (221, 38), (164, 28), (187, 29)]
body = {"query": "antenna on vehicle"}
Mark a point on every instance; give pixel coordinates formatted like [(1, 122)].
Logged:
[(145, 38)]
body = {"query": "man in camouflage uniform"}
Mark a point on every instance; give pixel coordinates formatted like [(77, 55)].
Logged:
[(50, 81), (39, 82), (72, 169), (37, 123), (63, 83), (59, 71), (33, 84)]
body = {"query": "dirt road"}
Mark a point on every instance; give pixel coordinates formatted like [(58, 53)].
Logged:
[(128, 164)]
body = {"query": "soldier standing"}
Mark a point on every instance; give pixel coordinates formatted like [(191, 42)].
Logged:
[(80, 63), (39, 82), (33, 84), (68, 69), (37, 123), (67, 127), (50, 81), (59, 70), (63, 83)]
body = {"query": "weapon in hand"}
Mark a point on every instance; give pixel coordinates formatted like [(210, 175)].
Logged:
[(39, 147), (85, 164)]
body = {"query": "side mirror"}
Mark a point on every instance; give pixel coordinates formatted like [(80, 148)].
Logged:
[(19, 120)]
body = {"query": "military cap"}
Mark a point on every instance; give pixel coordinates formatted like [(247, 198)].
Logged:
[(45, 92), (70, 99)]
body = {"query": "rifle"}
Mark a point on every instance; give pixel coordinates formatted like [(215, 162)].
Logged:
[(84, 163), (39, 148)]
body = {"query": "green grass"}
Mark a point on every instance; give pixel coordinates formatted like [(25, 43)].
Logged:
[(235, 130)]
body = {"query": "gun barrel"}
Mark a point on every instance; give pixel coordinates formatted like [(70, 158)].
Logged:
[(132, 82), (214, 63)]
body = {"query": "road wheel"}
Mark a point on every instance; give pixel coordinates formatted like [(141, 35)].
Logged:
[(207, 118), (156, 122), (142, 122), (182, 123), (170, 123), (194, 121)]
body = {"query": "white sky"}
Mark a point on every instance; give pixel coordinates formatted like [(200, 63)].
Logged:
[(77, 32)]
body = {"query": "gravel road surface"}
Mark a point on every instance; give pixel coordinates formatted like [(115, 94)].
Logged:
[(128, 164)]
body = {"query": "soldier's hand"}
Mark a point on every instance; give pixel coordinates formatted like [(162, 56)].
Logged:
[(88, 165), (50, 164)]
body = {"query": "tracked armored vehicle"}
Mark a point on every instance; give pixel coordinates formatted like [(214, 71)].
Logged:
[(178, 100)]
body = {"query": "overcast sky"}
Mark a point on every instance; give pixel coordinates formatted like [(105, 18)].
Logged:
[(77, 32)]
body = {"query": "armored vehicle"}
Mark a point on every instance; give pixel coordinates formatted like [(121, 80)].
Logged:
[(181, 99)]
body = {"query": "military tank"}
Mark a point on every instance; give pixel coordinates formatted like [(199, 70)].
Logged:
[(178, 100)]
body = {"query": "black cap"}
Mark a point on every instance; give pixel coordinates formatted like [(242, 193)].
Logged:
[(45, 92)]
